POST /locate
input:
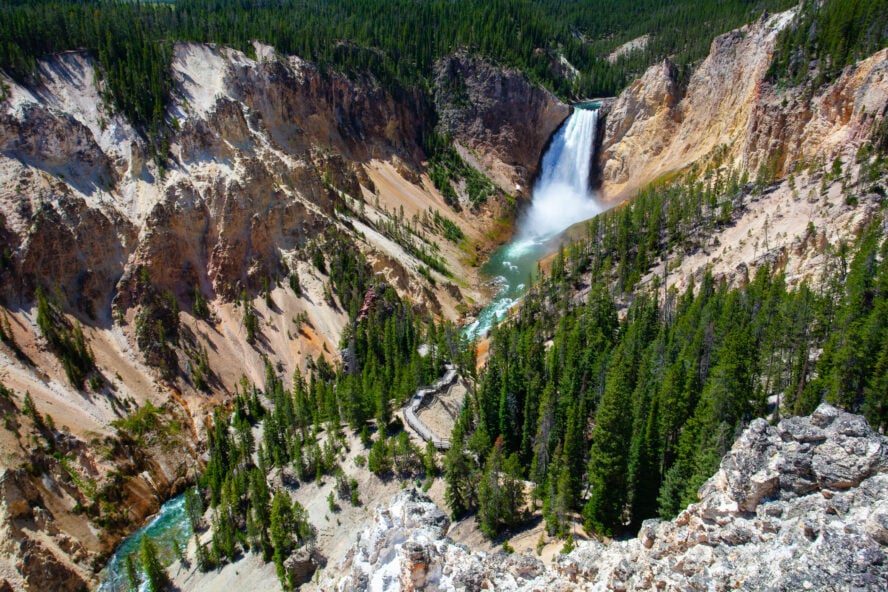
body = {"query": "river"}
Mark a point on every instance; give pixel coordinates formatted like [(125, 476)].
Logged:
[(561, 197), (169, 527)]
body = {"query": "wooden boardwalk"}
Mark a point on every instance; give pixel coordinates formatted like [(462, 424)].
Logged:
[(417, 401)]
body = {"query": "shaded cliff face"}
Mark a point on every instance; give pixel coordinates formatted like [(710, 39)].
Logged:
[(800, 505), (498, 117), (730, 114)]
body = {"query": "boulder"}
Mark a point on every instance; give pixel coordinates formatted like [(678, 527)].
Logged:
[(798, 506), (302, 564)]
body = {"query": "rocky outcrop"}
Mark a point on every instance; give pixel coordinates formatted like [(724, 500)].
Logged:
[(302, 564), (729, 113), (797, 506), (406, 549), (498, 116), (802, 505)]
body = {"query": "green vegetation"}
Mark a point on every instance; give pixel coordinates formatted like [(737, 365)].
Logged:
[(302, 427), (828, 36), (289, 528), (623, 417), (399, 230), (500, 492), (199, 307), (132, 574), (295, 285), (397, 41), (617, 406), (6, 334), (156, 577), (65, 340), (448, 229), (447, 167), (200, 369), (251, 318), (151, 420), (157, 326), (125, 37)]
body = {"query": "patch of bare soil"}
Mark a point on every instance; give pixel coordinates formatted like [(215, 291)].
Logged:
[(441, 410)]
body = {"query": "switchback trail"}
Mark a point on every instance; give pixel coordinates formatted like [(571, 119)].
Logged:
[(417, 401)]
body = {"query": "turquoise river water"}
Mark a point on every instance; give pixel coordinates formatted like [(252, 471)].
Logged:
[(561, 197), (169, 527)]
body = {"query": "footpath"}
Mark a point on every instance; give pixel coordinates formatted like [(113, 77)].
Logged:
[(422, 396)]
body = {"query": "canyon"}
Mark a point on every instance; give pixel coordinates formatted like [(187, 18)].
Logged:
[(273, 160), (267, 157)]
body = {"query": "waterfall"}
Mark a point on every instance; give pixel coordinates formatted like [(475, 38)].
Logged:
[(561, 196)]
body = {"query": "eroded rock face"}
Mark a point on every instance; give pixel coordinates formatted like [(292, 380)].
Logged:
[(798, 506), (44, 545), (406, 549), (650, 101), (302, 564), (498, 116), (768, 520), (252, 141), (263, 155), (730, 113)]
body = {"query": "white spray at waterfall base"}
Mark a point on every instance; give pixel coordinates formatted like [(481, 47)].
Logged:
[(562, 196)]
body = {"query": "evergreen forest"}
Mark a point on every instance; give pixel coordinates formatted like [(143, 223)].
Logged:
[(613, 397), (398, 41), (618, 398), (608, 396)]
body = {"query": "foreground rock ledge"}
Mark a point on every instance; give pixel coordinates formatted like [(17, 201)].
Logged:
[(799, 506)]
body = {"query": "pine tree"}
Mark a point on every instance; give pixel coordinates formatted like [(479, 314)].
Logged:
[(609, 452), (460, 489), (295, 285), (261, 514), (155, 576), (194, 508), (429, 462), (203, 557), (500, 492), (876, 406), (282, 527), (132, 574), (379, 461), (199, 309)]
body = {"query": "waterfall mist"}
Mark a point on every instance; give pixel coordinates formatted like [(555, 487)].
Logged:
[(561, 195)]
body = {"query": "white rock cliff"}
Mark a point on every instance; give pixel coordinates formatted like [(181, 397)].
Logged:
[(798, 506)]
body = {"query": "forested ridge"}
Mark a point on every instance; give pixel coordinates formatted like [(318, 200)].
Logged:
[(621, 416), (825, 37), (397, 41)]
